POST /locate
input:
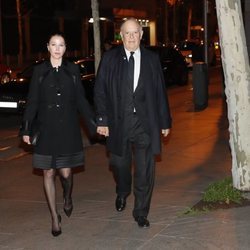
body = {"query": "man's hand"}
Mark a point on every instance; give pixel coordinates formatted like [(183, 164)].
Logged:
[(103, 131), (26, 139), (165, 132)]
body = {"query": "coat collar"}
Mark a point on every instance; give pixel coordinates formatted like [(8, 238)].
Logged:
[(49, 65)]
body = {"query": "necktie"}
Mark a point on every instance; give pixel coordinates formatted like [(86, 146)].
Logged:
[(131, 64)]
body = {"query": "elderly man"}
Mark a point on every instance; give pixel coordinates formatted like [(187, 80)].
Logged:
[(132, 112)]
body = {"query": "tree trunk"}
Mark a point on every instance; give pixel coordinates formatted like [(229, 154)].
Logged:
[(20, 33), (85, 40), (96, 26), (237, 82), (27, 36), (189, 22), (166, 38), (174, 23), (1, 33)]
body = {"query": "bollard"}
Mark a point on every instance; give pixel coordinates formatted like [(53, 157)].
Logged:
[(200, 86)]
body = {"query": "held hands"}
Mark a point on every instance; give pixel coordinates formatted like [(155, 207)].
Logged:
[(103, 131), (26, 139), (165, 132)]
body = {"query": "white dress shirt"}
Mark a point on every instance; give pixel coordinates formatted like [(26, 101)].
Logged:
[(137, 58)]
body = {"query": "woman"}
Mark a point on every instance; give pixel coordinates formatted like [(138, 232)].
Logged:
[(55, 97)]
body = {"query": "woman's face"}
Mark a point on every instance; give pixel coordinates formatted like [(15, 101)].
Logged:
[(56, 47)]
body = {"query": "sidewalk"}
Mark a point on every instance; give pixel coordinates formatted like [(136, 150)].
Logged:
[(196, 154)]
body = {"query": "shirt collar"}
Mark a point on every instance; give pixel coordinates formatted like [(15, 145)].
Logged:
[(136, 52)]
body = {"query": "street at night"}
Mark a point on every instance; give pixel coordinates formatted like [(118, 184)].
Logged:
[(196, 154), (93, 156)]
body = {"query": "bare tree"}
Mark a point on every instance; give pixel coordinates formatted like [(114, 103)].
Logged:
[(190, 13), (237, 82), (96, 26), (20, 32)]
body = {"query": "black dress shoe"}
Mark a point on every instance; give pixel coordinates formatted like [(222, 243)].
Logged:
[(142, 221), (120, 203)]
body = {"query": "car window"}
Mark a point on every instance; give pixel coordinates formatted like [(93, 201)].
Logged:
[(3, 68), (155, 49), (166, 54), (86, 67), (186, 46), (27, 72)]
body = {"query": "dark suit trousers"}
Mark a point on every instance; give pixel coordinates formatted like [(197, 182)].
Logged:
[(137, 146)]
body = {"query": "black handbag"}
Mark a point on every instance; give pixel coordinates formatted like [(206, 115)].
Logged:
[(31, 129), (35, 133), (34, 138)]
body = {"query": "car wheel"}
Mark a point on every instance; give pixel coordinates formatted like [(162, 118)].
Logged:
[(5, 78)]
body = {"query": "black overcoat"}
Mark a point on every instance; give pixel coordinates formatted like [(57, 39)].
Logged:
[(56, 97), (150, 99)]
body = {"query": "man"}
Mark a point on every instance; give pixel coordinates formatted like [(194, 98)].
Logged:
[(197, 51), (132, 111)]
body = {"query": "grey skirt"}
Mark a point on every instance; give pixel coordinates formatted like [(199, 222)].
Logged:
[(57, 161)]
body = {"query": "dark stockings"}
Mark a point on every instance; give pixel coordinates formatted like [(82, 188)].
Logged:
[(67, 184), (50, 192)]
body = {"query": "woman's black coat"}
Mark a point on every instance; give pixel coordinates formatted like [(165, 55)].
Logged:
[(55, 97)]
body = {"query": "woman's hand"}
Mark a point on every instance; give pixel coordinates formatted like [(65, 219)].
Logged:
[(26, 139)]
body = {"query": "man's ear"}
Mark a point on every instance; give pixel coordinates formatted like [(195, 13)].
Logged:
[(141, 34), (121, 35)]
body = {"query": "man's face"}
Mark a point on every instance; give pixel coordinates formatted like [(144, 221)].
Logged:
[(131, 34)]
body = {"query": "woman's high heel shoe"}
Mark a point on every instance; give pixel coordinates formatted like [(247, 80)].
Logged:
[(56, 233), (68, 210)]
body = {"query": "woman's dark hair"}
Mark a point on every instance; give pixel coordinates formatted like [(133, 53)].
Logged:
[(56, 33)]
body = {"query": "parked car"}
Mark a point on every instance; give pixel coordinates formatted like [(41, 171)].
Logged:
[(187, 47), (13, 94), (87, 71), (173, 63), (5, 73)]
